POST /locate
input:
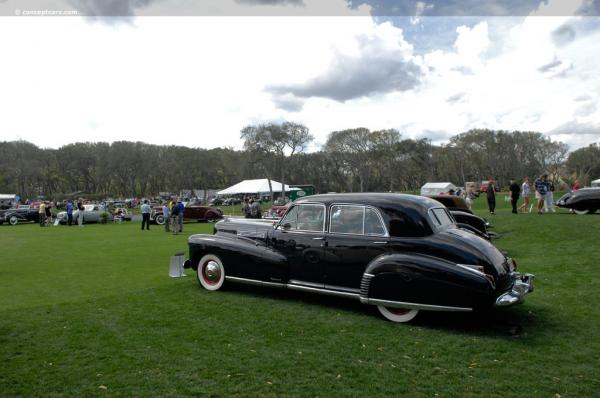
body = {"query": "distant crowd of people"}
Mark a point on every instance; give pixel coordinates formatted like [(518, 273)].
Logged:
[(544, 195), (251, 208)]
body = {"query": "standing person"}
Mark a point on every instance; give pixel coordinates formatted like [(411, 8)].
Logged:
[(491, 197), (42, 213), (174, 216), (49, 213), (549, 199), (255, 210), (576, 186), (515, 191), (526, 191), (166, 216), (180, 211), (69, 209), (540, 191), (80, 210), (145, 209), (246, 208)]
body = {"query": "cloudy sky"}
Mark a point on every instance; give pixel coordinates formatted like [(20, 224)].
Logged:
[(146, 70)]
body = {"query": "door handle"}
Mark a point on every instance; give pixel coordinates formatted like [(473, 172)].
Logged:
[(319, 238), (380, 243)]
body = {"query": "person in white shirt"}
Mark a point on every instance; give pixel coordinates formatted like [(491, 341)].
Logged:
[(145, 209), (525, 192)]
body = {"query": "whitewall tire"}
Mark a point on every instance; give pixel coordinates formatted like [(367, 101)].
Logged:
[(211, 273), (581, 212), (399, 315), (13, 220), (160, 219)]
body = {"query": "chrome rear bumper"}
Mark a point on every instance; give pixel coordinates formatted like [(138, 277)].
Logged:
[(522, 286)]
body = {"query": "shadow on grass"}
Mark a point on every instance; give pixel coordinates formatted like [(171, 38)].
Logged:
[(513, 322)]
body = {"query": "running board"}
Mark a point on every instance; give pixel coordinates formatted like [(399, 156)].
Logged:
[(337, 293)]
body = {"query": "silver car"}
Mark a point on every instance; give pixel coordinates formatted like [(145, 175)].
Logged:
[(91, 213)]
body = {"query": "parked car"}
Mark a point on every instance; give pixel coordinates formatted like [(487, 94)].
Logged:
[(401, 253), (277, 211), (232, 201), (24, 213), (91, 214), (582, 201), (122, 213), (464, 216), (190, 212)]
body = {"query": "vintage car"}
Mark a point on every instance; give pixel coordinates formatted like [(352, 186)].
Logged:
[(122, 214), (190, 212), (464, 217), (92, 213), (582, 201), (401, 253), (232, 201), (24, 213)]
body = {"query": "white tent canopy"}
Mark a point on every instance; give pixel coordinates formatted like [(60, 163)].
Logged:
[(259, 186), (436, 188), (596, 183)]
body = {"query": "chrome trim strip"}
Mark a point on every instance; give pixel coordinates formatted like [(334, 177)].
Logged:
[(254, 282), (415, 306), (304, 283), (473, 270), (322, 291)]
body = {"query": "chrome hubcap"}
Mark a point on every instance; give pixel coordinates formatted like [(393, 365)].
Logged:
[(212, 271)]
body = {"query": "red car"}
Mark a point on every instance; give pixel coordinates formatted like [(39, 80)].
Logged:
[(190, 212)]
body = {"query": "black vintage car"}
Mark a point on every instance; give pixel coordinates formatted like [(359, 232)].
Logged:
[(21, 214), (401, 253), (582, 201), (464, 217)]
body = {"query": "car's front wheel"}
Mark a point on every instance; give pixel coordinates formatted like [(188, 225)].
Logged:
[(399, 315), (211, 273), (160, 219), (13, 220)]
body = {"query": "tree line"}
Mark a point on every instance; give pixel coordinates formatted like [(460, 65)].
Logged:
[(350, 160)]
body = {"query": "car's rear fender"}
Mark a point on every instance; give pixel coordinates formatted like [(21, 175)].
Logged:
[(426, 280), (241, 257)]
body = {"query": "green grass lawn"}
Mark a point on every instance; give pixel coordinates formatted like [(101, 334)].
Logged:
[(91, 312)]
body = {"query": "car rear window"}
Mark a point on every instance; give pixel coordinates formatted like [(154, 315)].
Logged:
[(441, 217)]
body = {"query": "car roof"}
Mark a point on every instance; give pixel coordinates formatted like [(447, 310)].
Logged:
[(380, 199)]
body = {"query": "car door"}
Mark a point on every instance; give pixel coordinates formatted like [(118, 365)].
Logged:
[(356, 236), (300, 236)]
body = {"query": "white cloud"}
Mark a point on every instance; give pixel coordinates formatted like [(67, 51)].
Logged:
[(197, 81)]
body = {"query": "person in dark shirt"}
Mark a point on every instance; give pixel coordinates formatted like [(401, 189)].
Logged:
[(491, 197), (515, 192)]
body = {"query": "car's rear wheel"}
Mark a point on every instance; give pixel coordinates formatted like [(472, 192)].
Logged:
[(399, 315), (13, 220), (160, 219), (581, 212), (211, 273)]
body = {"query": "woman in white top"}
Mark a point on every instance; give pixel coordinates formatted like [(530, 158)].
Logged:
[(525, 192)]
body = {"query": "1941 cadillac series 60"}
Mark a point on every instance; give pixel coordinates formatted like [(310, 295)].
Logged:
[(401, 253)]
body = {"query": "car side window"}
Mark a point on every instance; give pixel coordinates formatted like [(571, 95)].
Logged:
[(347, 219), (308, 217), (373, 224)]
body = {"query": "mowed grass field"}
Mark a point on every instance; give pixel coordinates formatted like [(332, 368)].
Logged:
[(92, 312)]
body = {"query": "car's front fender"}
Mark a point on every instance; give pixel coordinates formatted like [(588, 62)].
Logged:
[(241, 257)]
